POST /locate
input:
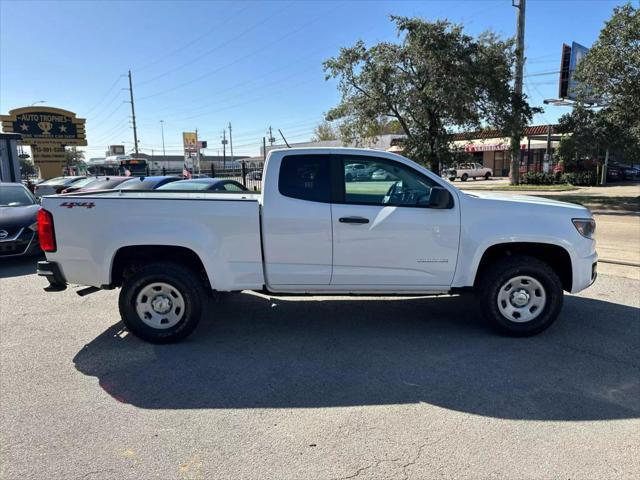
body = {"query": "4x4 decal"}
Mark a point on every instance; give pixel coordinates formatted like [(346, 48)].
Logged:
[(78, 204)]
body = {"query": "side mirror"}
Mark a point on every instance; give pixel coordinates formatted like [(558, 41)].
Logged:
[(439, 198)]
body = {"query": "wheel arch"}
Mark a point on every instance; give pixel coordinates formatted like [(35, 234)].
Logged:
[(130, 256), (556, 256)]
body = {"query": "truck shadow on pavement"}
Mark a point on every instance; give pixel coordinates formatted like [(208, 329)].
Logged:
[(252, 352)]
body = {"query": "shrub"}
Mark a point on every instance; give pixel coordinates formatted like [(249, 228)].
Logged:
[(539, 178), (586, 178)]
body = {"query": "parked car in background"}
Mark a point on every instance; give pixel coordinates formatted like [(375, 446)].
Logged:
[(18, 221), (205, 184), (255, 175), (55, 185), (382, 174), (79, 184), (614, 174), (147, 183), (630, 173), (357, 171), (100, 183), (464, 171)]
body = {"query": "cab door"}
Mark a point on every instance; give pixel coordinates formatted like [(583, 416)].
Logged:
[(384, 234), (296, 221)]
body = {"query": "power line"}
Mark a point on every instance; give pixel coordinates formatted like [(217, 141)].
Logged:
[(217, 47), (104, 96), (237, 60), (216, 28)]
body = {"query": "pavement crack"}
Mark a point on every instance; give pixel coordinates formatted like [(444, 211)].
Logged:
[(368, 467), (417, 457), (95, 472)]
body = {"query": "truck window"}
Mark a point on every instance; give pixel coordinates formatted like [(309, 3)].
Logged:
[(386, 183), (306, 177)]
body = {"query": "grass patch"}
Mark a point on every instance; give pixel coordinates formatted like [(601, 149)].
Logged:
[(598, 202), (531, 188)]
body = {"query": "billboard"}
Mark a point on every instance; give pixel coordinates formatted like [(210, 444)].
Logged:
[(116, 150), (569, 87), (189, 140), (45, 125), (47, 131)]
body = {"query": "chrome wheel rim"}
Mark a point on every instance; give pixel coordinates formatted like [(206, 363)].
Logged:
[(160, 305), (521, 299)]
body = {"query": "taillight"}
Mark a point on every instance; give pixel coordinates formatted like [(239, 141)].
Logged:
[(46, 233)]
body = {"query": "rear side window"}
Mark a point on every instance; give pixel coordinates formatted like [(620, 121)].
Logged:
[(306, 177)]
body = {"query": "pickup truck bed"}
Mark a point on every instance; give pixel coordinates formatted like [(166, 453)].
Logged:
[(224, 227)]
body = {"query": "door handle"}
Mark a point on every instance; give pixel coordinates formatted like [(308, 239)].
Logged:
[(357, 220)]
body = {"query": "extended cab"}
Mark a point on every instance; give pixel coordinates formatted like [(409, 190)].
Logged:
[(313, 231)]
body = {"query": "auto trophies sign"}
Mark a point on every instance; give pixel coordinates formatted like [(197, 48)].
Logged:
[(47, 131)]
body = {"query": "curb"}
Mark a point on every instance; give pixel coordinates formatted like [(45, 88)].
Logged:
[(632, 213), (619, 262)]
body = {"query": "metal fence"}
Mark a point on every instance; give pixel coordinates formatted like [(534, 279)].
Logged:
[(249, 175)]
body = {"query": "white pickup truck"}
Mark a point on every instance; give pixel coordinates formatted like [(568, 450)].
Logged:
[(312, 231), (465, 171)]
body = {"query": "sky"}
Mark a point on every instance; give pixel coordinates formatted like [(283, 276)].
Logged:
[(252, 63)]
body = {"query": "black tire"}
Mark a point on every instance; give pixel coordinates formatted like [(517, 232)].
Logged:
[(497, 275), (452, 179), (186, 281), (487, 176), (349, 177), (464, 177)]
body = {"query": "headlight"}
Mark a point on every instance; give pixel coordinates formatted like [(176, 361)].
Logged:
[(585, 226), (34, 227)]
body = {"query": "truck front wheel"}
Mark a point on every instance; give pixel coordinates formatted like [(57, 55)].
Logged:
[(162, 302), (520, 295)]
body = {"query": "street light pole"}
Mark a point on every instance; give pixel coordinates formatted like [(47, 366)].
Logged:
[(164, 153)]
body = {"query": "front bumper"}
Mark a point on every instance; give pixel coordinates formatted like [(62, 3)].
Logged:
[(22, 242), (585, 272), (51, 271)]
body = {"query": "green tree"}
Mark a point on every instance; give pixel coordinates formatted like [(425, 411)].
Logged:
[(74, 156), (324, 131), (611, 72), (436, 81), (26, 167)]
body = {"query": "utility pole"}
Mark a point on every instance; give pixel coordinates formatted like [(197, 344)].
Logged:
[(164, 152), (271, 139), (514, 171), (197, 152), (133, 116), (231, 143), (224, 148), (264, 149)]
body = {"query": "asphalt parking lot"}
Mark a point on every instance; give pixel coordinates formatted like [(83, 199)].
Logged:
[(320, 388)]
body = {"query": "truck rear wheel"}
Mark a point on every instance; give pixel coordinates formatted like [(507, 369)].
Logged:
[(162, 302), (464, 177), (520, 295)]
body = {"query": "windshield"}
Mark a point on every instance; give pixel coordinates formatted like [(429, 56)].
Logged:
[(105, 183), (142, 184), (61, 181), (186, 185), (17, 196), (84, 182)]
